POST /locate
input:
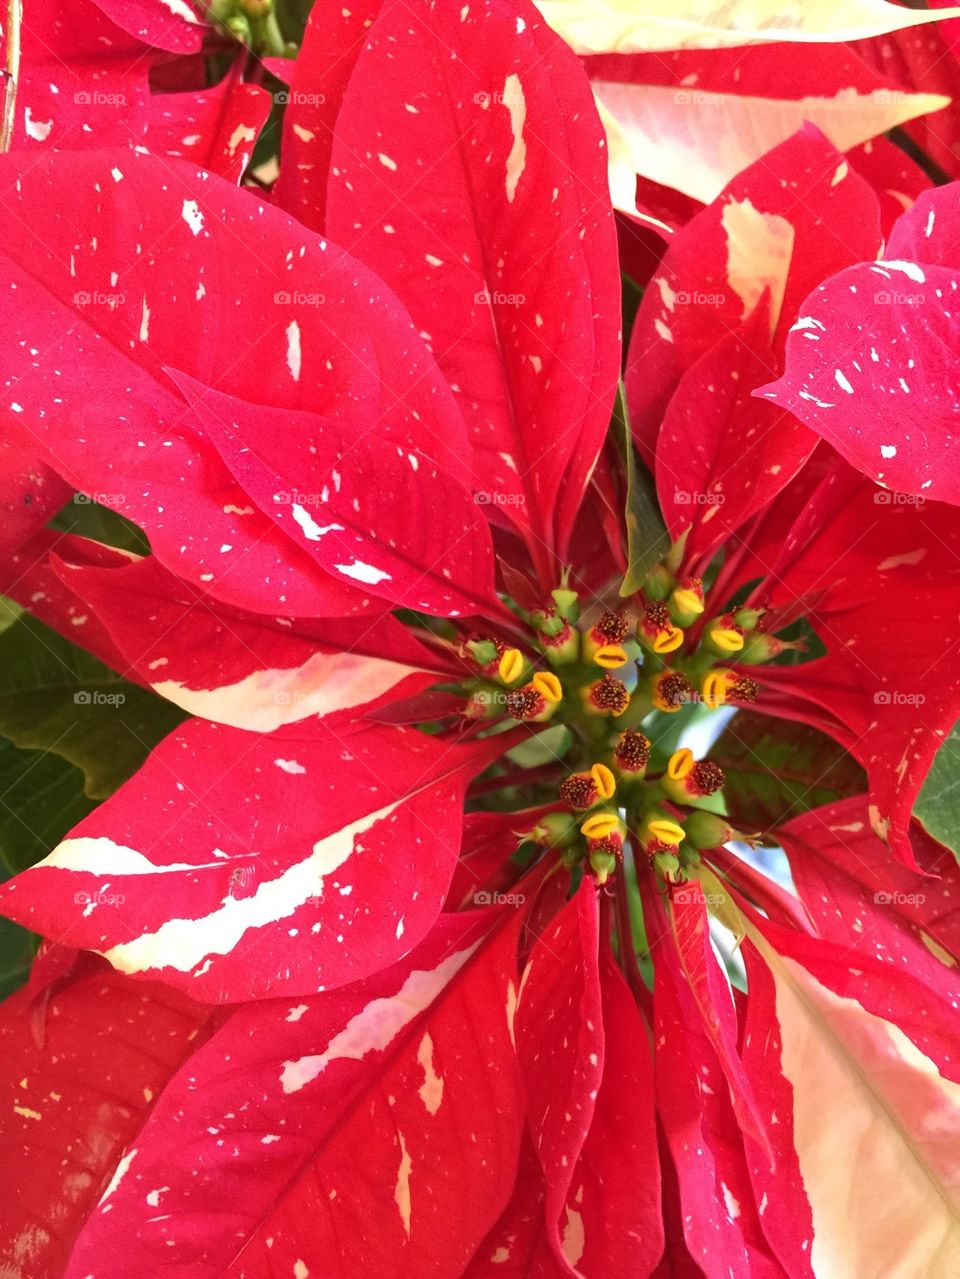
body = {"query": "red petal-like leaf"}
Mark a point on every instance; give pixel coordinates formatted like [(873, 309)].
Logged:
[(719, 461), (780, 225), (477, 188), (237, 865), (214, 128), (345, 497), (871, 360), (181, 269), (236, 668), (79, 1069), (560, 1043), (371, 1130)]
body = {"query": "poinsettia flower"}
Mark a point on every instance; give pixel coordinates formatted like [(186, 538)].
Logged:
[(283, 501), (383, 438)]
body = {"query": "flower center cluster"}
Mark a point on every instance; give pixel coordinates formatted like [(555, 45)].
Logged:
[(605, 677)]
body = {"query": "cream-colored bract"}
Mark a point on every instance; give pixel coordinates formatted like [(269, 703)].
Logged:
[(641, 26), (695, 142), (877, 1135), (264, 700)]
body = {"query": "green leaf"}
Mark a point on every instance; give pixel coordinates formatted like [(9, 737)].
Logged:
[(9, 612), (86, 518), (647, 538), (777, 769), (17, 949), (41, 798), (938, 804), (55, 697)]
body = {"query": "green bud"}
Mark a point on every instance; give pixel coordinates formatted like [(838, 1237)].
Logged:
[(603, 864), (552, 627), (483, 652), (747, 618), (240, 27), (567, 602), (556, 830), (658, 583), (759, 648), (708, 830), (667, 866)]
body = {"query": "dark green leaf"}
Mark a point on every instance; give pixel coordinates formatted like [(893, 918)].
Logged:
[(86, 518), (17, 949), (647, 538), (777, 769), (41, 798), (54, 697), (938, 805)]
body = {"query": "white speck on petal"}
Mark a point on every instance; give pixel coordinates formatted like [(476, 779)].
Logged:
[(192, 216), (516, 104), (361, 572), (293, 350)]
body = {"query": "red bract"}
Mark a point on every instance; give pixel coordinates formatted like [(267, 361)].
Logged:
[(84, 69), (487, 223), (870, 361), (505, 991)]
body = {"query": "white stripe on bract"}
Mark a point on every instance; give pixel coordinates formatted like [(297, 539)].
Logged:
[(98, 855), (265, 700), (183, 943), (643, 26), (119, 1173), (859, 1084), (375, 1026)]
